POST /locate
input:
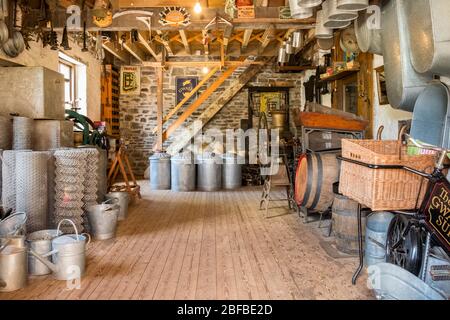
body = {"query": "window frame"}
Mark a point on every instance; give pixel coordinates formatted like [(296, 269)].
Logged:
[(72, 81)]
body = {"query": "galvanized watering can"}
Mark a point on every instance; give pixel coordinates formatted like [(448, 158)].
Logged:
[(41, 243), (103, 219), (68, 254), (13, 263)]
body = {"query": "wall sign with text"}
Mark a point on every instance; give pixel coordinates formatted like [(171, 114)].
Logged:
[(184, 85), (130, 80)]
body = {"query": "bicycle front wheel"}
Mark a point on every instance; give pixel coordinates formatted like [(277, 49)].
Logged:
[(404, 244)]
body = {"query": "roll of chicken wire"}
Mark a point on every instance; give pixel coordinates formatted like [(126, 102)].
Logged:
[(22, 133), (31, 188), (1, 183), (9, 178), (102, 177), (51, 187), (5, 133), (90, 185), (71, 171)]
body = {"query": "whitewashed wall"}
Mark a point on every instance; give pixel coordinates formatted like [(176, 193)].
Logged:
[(39, 56), (384, 114)]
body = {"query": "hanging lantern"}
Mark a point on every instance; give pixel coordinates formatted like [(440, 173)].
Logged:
[(298, 12), (309, 3), (297, 40), (321, 31), (333, 13), (282, 56), (352, 5)]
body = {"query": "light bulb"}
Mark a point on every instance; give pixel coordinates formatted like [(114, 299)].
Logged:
[(205, 70), (197, 8)]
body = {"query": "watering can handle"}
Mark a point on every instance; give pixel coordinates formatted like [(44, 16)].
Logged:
[(88, 236), (110, 199), (73, 224)]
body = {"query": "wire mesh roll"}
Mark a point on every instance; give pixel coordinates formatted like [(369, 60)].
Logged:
[(5, 133), (71, 171), (9, 179), (22, 133), (102, 177), (51, 187), (90, 185), (1, 177), (31, 188)]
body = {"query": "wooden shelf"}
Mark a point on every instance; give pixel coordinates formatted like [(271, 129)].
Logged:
[(295, 68), (340, 75)]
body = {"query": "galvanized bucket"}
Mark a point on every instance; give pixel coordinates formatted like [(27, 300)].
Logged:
[(13, 264), (14, 224), (123, 201), (377, 225), (41, 243), (103, 219), (68, 254)]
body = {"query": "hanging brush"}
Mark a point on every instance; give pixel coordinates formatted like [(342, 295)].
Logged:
[(65, 40), (85, 48), (53, 38)]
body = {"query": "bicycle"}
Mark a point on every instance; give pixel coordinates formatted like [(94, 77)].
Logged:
[(412, 233)]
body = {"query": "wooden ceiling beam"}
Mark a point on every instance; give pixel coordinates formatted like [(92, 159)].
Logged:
[(185, 41), (226, 37), (122, 55), (246, 39), (205, 41), (267, 37), (161, 38), (132, 49), (265, 16), (143, 39)]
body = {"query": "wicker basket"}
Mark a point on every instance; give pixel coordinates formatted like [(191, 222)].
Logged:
[(383, 189)]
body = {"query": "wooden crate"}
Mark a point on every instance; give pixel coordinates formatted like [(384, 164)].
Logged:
[(383, 189)]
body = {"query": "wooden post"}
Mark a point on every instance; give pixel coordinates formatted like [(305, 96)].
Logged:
[(159, 107)]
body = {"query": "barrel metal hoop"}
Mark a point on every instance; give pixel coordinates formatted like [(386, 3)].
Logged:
[(319, 180), (309, 180)]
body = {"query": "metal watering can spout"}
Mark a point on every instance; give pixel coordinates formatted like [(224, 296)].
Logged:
[(47, 262)]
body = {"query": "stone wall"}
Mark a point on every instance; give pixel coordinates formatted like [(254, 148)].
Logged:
[(138, 113)]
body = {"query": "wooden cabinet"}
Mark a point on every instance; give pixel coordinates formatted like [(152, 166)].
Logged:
[(110, 100)]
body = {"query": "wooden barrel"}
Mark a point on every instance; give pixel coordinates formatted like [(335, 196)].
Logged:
[(315, 175), (345, 224)]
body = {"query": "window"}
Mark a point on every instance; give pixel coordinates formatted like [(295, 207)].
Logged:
[(67, 69), (75, 83)]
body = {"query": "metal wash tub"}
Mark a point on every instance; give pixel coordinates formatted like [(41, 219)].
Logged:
[(429, 26), (403, 82)]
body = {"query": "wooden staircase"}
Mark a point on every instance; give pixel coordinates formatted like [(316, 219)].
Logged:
[(182, 139)]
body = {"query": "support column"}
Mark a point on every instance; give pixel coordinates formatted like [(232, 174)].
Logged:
[(159, 107)]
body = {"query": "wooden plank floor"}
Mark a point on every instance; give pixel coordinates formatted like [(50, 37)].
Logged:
[(206, 246)]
